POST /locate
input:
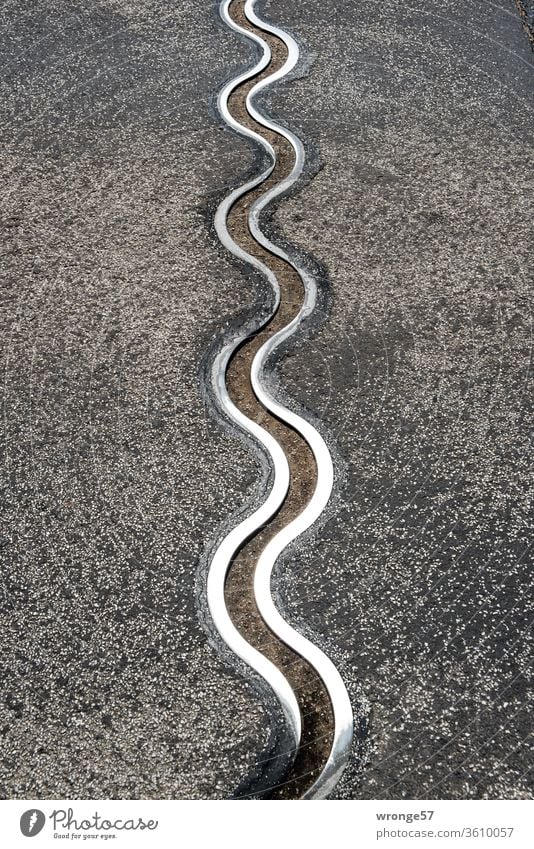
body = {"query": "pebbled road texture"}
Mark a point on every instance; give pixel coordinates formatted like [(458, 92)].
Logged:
[(421, 582), (113, 473), (115, 476)]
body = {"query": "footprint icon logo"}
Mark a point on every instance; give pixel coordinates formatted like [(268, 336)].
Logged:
[(32, 822)]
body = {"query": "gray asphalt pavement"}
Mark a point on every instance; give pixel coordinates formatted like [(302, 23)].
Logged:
[(419, 121), (420, 583), (114, 475)]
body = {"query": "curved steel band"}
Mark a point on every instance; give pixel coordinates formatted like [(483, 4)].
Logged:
[(342, 711)]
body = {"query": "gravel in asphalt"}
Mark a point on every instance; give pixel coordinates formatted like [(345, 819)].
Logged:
[(115, 476), (419, 585)]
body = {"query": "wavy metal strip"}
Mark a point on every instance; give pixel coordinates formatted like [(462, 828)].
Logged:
[(342, 711), (232, 543)]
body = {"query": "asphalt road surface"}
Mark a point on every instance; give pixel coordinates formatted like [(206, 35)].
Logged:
[(117, 476)]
